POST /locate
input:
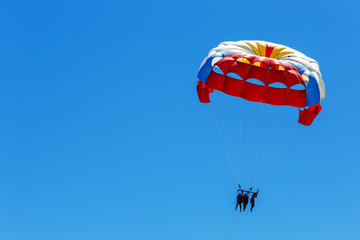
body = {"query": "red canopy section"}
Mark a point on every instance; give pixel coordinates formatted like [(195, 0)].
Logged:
[(235, 76), (307, 116)]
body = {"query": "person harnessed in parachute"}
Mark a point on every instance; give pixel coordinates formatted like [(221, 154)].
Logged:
[(252, 200), (239, 199), (245, 200)]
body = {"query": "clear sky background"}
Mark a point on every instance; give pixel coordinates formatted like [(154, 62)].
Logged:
[(102, 135)]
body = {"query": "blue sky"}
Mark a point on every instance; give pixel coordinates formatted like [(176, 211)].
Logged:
[(102, 135)]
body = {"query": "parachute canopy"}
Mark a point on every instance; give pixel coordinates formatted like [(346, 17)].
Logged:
[(263, 72)]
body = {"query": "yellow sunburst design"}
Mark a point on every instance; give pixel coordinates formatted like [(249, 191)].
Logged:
[(279, 51)]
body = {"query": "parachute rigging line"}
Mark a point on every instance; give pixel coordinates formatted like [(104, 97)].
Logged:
[(234, 226), (259, 123), (284, 147), (222, 139), (240, 158), (276, 125)]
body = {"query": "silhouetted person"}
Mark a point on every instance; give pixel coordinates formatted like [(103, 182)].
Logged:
[(239, 200), (252, 201), (245, 200)]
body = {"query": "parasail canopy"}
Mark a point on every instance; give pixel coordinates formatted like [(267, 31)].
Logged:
[(263, 72)]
